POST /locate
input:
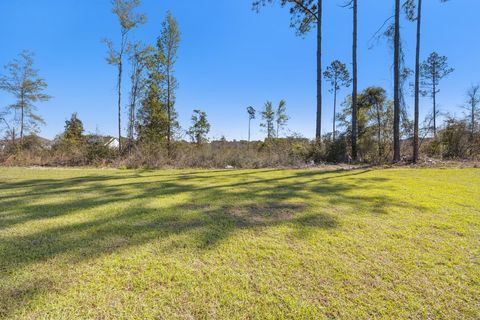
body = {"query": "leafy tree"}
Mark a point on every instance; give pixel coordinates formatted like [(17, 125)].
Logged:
[(375, 123), (73, 130), (268, 116), (306, 14), (167, 45), (138, 56), (152, 116), (28, 88), (124, 10), (374, 100), (434, 69), (281, 117), (251, 115), (338, 76), (200, 127)]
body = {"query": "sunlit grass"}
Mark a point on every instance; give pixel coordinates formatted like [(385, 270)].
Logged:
[(110, 244)]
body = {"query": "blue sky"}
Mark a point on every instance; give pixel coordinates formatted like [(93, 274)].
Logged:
[(230, 57)]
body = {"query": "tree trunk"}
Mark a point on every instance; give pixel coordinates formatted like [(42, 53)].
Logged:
[(318, 134), (379, 133), (169, 114), (434, 95), (473, 118), (119, 88), (355, 83), (334, 110), (249, 123), (396, 120), (417, 85), (22, 117)]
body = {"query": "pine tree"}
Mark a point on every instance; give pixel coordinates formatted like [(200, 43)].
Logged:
[(268, 116), (338, 76), (306, 14), (434, 69)]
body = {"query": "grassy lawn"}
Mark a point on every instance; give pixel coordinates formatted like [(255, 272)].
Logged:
[(297, 244)]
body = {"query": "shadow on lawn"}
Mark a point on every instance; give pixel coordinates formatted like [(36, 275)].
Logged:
[(218, 205)]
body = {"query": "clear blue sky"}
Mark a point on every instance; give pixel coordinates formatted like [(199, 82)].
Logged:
[(230, 57)]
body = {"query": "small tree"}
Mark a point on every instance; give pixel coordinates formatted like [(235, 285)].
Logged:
[(373, 100), (167, 46), (268, 116), (200, 127), (28, 88), (139, 55), (128, 20), (251, 116), (473, 95), (434, 69), (281, 117), (338, 76), (73, 130)]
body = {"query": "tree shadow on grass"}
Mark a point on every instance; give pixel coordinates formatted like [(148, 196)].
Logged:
[(215, 206)]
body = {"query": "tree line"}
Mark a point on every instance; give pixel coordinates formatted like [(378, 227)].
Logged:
[(369, 127), (308, 14)]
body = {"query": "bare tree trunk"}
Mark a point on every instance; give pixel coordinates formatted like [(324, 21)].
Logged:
[(379, 133), (417, 85), (396, 120), (355, 82), (473, 118), (22, 115), (318, 134), (169, 114), (434, 109), (334, 110), (249, 123), (119, 88)]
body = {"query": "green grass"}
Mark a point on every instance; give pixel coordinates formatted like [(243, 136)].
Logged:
[(112, 244)]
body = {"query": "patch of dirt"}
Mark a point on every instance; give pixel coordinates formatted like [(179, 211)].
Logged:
[(266, 212), (193, 206)]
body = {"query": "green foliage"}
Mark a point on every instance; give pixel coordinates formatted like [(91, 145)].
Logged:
[(167, 48), (152, 116), (268, 116), (338, 76), (434, 69), (73, 130), (28, 88), (374, 124), (281, 117), (251, 113), (304, 13), (200, 127)]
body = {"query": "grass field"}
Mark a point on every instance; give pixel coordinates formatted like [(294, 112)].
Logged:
[(113, 244)]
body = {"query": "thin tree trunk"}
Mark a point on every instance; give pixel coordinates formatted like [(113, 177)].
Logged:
[(396, 120), (21, 122), (119, 103), (318, 134), (379, 133), (355, 82), (473, 118), (434, 93), (169, 125), (417, 85), (334, 110), (249, 123)]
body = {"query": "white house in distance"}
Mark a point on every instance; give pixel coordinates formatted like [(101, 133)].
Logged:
[(112, 143)]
